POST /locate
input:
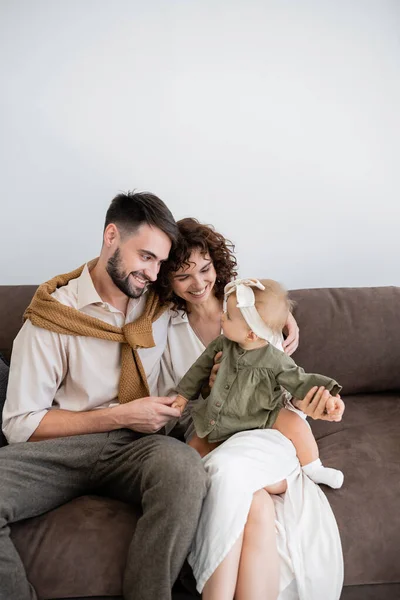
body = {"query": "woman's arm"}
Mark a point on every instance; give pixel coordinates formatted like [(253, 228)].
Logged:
[(291, 330), (317, 405)]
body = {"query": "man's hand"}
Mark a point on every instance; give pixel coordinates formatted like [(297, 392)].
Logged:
[(319, 404), (291, 330), (214, 370), (147, 415), (179, 403)]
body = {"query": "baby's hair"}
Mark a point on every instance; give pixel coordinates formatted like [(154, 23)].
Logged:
[(273, 304)]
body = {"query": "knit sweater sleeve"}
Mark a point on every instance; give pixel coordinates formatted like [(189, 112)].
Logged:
[(198, 375)]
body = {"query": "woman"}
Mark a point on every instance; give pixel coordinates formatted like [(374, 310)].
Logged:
[(237, 554)]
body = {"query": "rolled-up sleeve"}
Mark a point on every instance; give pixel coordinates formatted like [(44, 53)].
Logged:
[(38, 367)]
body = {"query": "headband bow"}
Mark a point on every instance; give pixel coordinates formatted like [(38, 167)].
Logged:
[(244, 293), (246, 304)]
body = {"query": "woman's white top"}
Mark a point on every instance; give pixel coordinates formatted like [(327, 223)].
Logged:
[(182, 350)]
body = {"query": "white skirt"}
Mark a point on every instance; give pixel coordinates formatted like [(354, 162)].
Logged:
[(308, 539)]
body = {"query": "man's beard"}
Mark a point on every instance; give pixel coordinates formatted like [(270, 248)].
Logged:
[(121, 280)]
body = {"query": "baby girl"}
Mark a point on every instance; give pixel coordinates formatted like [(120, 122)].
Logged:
[(247, 393)]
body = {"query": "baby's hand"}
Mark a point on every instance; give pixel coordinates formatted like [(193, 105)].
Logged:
[(335, 408), (330, 404), (180, 403)]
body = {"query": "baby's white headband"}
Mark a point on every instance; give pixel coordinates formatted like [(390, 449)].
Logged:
[(246, 303)]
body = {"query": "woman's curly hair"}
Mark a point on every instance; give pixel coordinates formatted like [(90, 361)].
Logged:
[(193, 235)]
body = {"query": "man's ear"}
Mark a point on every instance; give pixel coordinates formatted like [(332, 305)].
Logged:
[(111, 235)]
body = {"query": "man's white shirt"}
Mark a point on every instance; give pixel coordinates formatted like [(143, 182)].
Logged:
[(55, 371)]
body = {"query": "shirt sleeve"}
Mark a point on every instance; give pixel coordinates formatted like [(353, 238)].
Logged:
[(296, 381), (198, 375), (38, 367), (166, 381)]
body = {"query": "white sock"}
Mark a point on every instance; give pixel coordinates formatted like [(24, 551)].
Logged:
[(320, 474)]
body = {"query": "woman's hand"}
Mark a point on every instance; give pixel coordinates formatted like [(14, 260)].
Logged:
[(319, 404), (291, 330)]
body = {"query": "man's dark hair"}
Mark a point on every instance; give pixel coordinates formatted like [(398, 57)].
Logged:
[(131, 210)]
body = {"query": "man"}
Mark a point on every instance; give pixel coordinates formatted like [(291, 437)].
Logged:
[(82, 386)]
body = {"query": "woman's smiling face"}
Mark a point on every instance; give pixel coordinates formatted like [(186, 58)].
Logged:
[(194, 283)]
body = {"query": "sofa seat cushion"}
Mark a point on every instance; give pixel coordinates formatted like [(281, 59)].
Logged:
[(365, 445), (78, 549)]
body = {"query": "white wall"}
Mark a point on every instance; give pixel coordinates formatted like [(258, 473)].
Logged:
[(275, 120)]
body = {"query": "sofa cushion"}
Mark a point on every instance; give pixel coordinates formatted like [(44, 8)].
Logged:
[(13, 301), (3, 390), (350, 334), (365, 446), (78, 549)]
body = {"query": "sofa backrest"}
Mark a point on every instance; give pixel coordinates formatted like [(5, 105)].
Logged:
[(13, 301), (352, 335)]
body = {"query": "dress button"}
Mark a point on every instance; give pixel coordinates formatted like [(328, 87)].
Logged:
[(218, 404), (212, 422), (227, 387)]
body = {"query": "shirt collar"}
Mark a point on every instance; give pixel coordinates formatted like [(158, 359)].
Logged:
[(178, 317), (87, 293)]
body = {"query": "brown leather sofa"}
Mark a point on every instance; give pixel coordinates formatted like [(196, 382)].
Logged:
[(351, 334)]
